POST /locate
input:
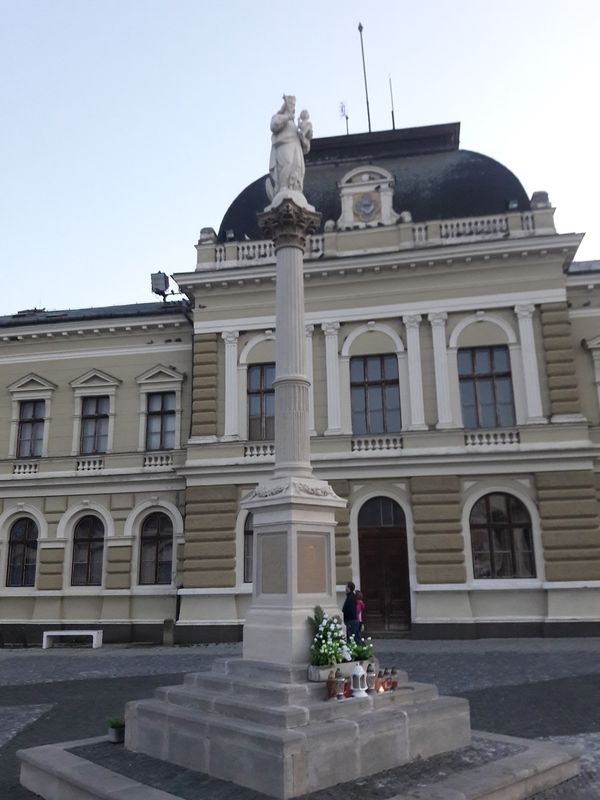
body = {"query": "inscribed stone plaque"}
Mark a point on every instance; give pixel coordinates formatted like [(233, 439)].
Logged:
[(273, 563), (313, 552)]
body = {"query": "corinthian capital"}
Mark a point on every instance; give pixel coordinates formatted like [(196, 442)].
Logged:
[(330, 328), (437, 318), (288, 224), (525, 311), (412, 320)]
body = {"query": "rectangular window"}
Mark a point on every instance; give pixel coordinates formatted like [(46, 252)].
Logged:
[(375, 394), (261, 402), (160, 421), (31, 428), (94, 425), (486, 394)]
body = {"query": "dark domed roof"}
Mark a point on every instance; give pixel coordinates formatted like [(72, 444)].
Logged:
[(434, 179)]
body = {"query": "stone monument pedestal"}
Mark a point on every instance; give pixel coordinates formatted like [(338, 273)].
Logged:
[(264, 726)]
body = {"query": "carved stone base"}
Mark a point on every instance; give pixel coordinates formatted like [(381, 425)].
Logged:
[(294, 566)]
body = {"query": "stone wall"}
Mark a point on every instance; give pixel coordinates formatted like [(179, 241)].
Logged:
[(50, 571), (118, 567), (210, 540), (560, 359), (568, 506), (439, 545), (204, 385)]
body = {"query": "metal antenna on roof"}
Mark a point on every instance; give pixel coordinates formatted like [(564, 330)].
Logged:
[(362, 49), (344, 115), (392, 100)]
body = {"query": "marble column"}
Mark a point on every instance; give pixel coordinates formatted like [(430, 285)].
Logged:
[(437, 320), (294, 512), (415, 376), (533, 395), (231, 384)]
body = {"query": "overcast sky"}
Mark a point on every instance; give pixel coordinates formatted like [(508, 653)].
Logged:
[(127, 125)]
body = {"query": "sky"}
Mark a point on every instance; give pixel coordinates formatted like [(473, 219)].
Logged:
[(128, 125)]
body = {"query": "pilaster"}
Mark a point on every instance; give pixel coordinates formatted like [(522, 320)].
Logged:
[(415, 376), (533, 395), (231, 384), (334, 413), (437, 320)]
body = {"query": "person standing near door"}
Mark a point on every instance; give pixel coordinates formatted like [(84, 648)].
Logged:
[(349, 611)]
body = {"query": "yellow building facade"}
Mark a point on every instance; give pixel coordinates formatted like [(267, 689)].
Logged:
[(453, 347)]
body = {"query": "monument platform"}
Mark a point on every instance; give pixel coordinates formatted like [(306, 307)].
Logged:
[(266, 728), (492, 767)]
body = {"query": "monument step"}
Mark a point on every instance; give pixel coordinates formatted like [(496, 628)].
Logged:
[(273, 693), (283, 716)]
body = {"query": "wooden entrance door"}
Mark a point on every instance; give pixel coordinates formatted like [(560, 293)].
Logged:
[(384, 573)]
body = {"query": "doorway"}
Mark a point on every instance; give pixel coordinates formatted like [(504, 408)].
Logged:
[(384, 572)]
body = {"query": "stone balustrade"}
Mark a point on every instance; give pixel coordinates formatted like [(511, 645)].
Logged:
[(417, 235), (492, 439), (25, 468), (89, 465), (158, 461), (259, 450), (376, 444)]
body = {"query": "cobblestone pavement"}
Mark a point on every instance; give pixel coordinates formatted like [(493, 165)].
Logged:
[(537, 688)]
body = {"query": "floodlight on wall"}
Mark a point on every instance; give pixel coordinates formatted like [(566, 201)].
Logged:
[(512, 205), (229, 235), (160, 283)]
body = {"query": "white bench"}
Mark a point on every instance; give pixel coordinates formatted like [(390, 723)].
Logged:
[(96, 637)]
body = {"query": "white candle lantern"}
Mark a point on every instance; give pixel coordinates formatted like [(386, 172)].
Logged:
[(359, 681)]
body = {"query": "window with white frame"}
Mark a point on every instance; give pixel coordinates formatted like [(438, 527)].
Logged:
[(501, 538), (160, 421), (22, 553), (95, 401), (160, 409), (375, 394), (30, 437), (486, 391), (31, 401), (94, 425), (88, 552), (156, 549), (261, 402)]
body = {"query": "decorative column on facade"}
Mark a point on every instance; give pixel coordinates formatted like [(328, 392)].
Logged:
[(231, 383), (415, 376), (533, 395), (332, 361), (308, 331), (437, 320)]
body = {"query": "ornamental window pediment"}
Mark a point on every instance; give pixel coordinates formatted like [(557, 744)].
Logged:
[(31, 383), (95, 379), (366, 197), (160, 375)]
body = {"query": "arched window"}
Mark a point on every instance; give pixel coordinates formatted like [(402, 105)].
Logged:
[(22, 553), (501, 538), (248, 545), (88, 551), (156, 549)]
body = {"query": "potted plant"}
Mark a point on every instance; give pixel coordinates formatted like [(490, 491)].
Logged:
[(116, 730)]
